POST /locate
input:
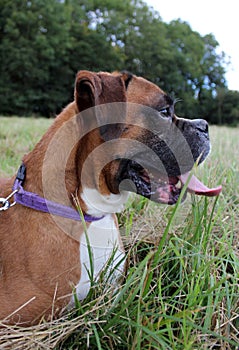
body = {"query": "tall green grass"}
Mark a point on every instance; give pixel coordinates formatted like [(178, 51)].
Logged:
[(181, 289)]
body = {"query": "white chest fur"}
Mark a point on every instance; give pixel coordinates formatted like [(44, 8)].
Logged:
[(105, 245), (98, 204)]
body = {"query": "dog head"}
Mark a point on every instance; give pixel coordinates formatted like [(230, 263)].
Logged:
[(150, 150)]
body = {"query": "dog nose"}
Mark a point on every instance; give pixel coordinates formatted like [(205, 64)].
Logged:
[(201, 125)]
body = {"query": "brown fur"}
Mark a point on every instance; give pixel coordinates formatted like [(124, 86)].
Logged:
[(39, 262)]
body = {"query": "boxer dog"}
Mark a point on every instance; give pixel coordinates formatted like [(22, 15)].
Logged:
[(58, 226)]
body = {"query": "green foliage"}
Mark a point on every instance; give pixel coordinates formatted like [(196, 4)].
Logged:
[(43, 43), (226, 107), (32, 49), (180, 291)]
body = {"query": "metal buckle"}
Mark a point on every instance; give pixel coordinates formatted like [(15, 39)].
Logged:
[(5, 203)]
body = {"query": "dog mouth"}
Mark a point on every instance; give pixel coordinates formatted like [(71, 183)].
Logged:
[(161, 188)]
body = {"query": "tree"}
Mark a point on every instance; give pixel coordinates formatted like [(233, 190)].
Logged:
[(88, 46), (33, 43), (171, 55), (138, 33), (197, 63), (227, 107), (43, 43)]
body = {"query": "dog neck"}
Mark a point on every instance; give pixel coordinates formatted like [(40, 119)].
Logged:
[(64, 172), (54, 176)]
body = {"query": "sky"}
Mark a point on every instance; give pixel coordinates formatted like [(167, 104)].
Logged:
[(221, 18)]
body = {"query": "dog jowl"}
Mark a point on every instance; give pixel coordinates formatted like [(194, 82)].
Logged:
[(160, 164)]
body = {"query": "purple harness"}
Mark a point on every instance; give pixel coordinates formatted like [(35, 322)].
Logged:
[(34, 201)]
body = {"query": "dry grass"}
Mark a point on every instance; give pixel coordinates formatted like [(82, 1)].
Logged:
[(182, 286)]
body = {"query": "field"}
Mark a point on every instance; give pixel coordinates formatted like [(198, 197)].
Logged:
[(181, 290)]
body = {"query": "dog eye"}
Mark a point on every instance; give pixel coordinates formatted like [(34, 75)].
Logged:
[(165, 112)]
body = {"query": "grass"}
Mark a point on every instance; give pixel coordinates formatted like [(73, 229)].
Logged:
[(17, 137), (181, 290)]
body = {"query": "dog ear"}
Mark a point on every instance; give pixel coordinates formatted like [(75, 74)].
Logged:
[(87, 89), (127, 77), (93, 90)]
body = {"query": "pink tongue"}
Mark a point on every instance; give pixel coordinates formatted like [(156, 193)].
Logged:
[(197, 187)]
